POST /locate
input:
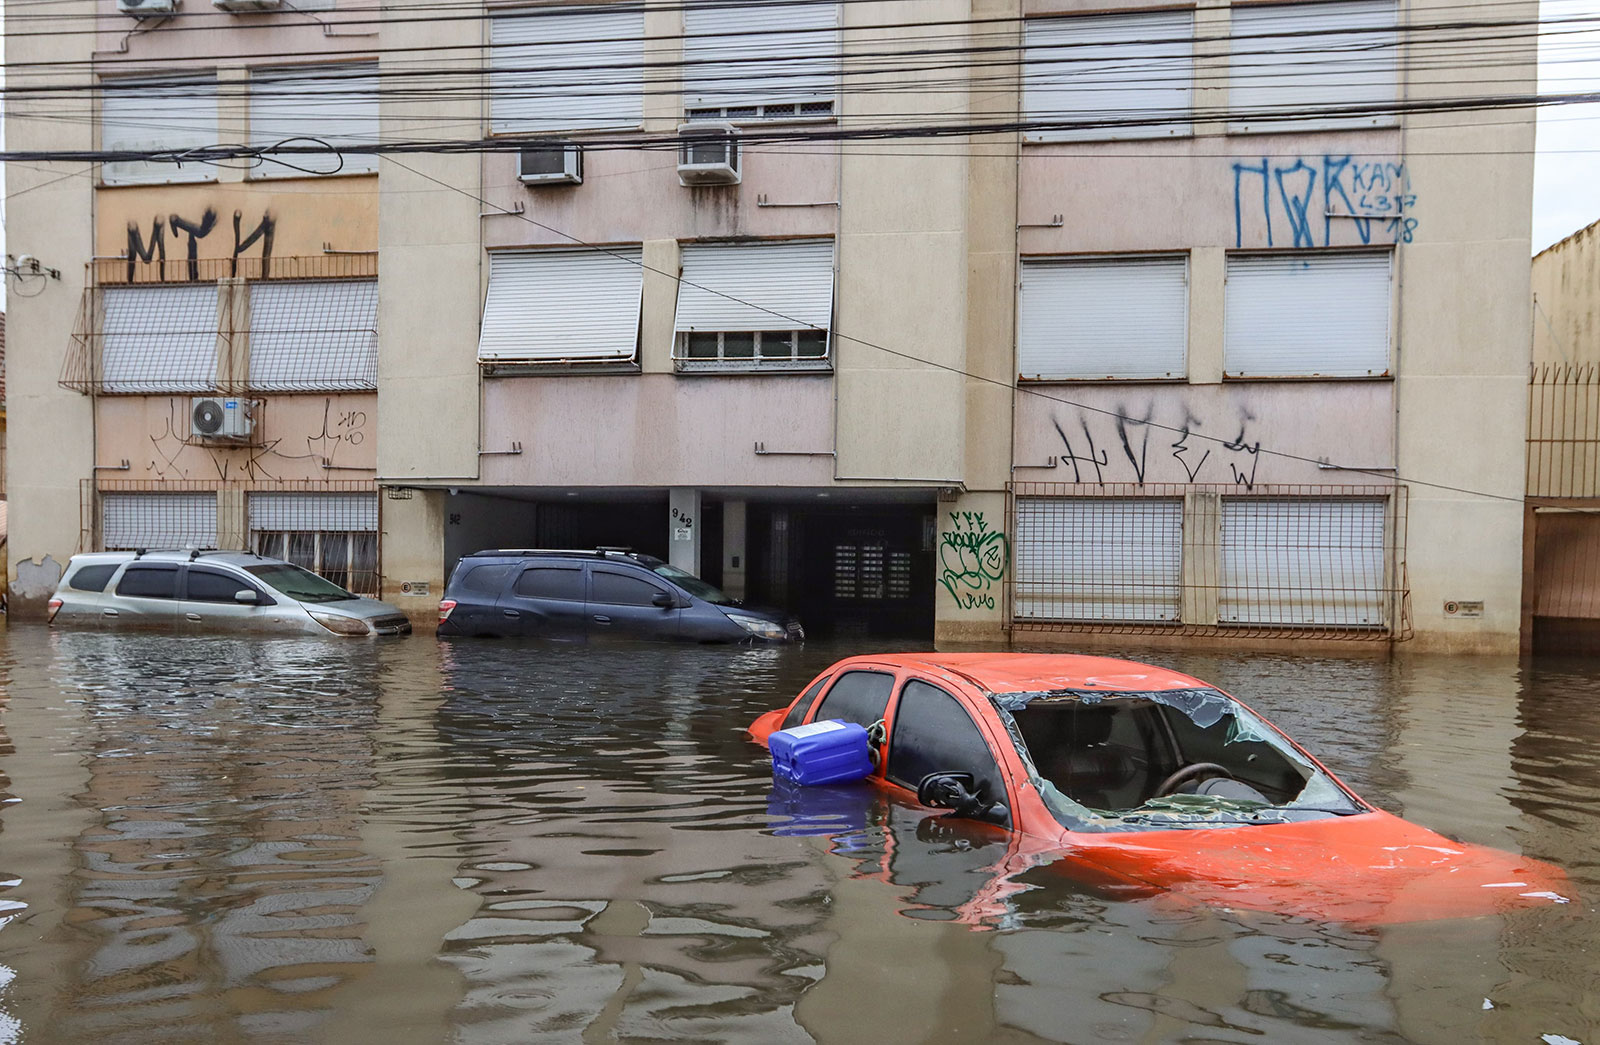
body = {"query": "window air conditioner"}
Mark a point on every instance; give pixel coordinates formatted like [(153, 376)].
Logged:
[(550, 163), (212, 417), (708, 154), (147, 8), (243, 6)]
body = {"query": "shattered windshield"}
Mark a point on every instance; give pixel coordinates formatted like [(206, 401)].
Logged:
[(1164, 759)]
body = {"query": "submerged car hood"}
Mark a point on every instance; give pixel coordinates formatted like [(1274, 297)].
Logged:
[(366, 609), (1369, 868)]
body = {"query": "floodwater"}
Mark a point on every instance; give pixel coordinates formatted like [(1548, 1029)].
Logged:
[(222, 840)]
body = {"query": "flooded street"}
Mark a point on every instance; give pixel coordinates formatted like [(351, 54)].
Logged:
[(226, 840)]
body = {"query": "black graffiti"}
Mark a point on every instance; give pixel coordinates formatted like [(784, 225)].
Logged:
[(1101, 461), (1240, 478), (1123, 421), (1182, 447), (153, 249)]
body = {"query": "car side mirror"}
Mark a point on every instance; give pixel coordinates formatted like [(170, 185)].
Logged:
[(246, 596), (959, 793), (663, 599)]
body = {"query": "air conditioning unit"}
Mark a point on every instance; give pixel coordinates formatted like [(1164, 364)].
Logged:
[(708, 154), (245, 6), (550, 163), (147, 8), (216, 417)]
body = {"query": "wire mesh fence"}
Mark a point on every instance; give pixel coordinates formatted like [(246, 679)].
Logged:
[(329, 528), (145, 328), (1564, 430), (1322, 561)]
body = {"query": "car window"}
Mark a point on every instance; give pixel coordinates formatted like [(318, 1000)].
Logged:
[(551, 582), (858, 696), (211, 586), (92, 578), (299, 584), (797, 714), (150, 582), (488, 579), (617, 589), (934, 734)]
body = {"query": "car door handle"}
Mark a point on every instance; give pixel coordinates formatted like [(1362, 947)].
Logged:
[(600, 618), (108, 613), (513, 614), (192, 616)]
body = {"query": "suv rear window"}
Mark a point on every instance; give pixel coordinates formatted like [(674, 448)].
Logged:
[(551, 582), (92, 578), (487, 580), (616, 589), (206, 586), (150, 582)]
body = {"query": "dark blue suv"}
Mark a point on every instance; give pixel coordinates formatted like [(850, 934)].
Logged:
[(608, 591)]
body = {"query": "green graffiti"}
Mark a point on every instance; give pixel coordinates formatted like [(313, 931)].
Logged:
[(972, 558)]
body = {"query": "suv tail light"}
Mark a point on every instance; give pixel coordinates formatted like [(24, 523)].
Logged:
[(54, 606), (445, 606)]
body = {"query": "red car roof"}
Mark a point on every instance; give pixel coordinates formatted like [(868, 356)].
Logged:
[(1035, 672)]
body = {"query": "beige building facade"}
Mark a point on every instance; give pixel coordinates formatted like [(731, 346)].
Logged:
[(1156, 329)]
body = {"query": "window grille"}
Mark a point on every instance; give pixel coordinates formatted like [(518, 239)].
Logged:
[(316, 336), (169, 521), (159, 339), (1324, 562), (331, 534), (1564, 430), (819, 110)]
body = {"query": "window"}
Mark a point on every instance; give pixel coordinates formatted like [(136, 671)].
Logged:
[(159, 339), (130, 521), (92, 578), (314, 335), (1090, 318), (1098, 558), (551, 582), (1307, 315), (1107, 77), (210, 586), (755, 306), (487, 580), (934, 734), (164, 114), (149, 582), (335, 535), (1300, 67), (858, 696), (617, 589), (797, 714), (766, 60), (336, 104), (566, 69), (562, 306), (1307, 561)]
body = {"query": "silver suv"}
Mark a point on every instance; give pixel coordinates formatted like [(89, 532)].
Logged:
[(213, 591)]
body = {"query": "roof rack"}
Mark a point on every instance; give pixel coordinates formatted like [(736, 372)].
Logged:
[(600, 552)]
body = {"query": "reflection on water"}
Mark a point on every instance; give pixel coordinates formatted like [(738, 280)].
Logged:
[(287, 840)]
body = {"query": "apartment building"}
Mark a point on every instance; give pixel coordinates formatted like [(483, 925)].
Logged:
[(963, 320)]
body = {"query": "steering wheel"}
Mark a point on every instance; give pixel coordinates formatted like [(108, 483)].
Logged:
[(1186, 773)]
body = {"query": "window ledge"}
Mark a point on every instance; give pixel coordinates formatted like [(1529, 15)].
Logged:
[(744, 366), (556, 367), (1164, 379)]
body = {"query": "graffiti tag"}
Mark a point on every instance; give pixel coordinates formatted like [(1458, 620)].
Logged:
[(972, 558), (1308, 201)]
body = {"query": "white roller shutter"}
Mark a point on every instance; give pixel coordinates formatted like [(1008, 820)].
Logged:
[(761, 53), (1303, 562), (335, 104), (784, 285), (163, 114), (129, 521), (1098, 558), (1278, 69), (159, 338), (1109, 68), (314, 336), (1307, 315), (566, 68), (562, 306), (299, 512), (1124, 317)]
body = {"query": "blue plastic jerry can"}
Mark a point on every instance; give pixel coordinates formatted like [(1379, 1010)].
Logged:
[(821, 753)]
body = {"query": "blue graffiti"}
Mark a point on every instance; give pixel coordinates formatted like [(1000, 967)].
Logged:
[(1373, 195)]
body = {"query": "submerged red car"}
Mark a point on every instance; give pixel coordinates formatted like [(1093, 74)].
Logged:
[(1141, 780)]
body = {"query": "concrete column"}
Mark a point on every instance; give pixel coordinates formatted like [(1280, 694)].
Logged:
[(684, 529), (1202, 551), (660, 309), (233, 116), (233, 520), (1208, 276), (412, 552), (974, 561), (735, 558)]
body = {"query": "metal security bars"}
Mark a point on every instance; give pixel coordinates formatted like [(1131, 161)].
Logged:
[(1564, 430), (231, 326), (1300, 561), (328, 527)]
